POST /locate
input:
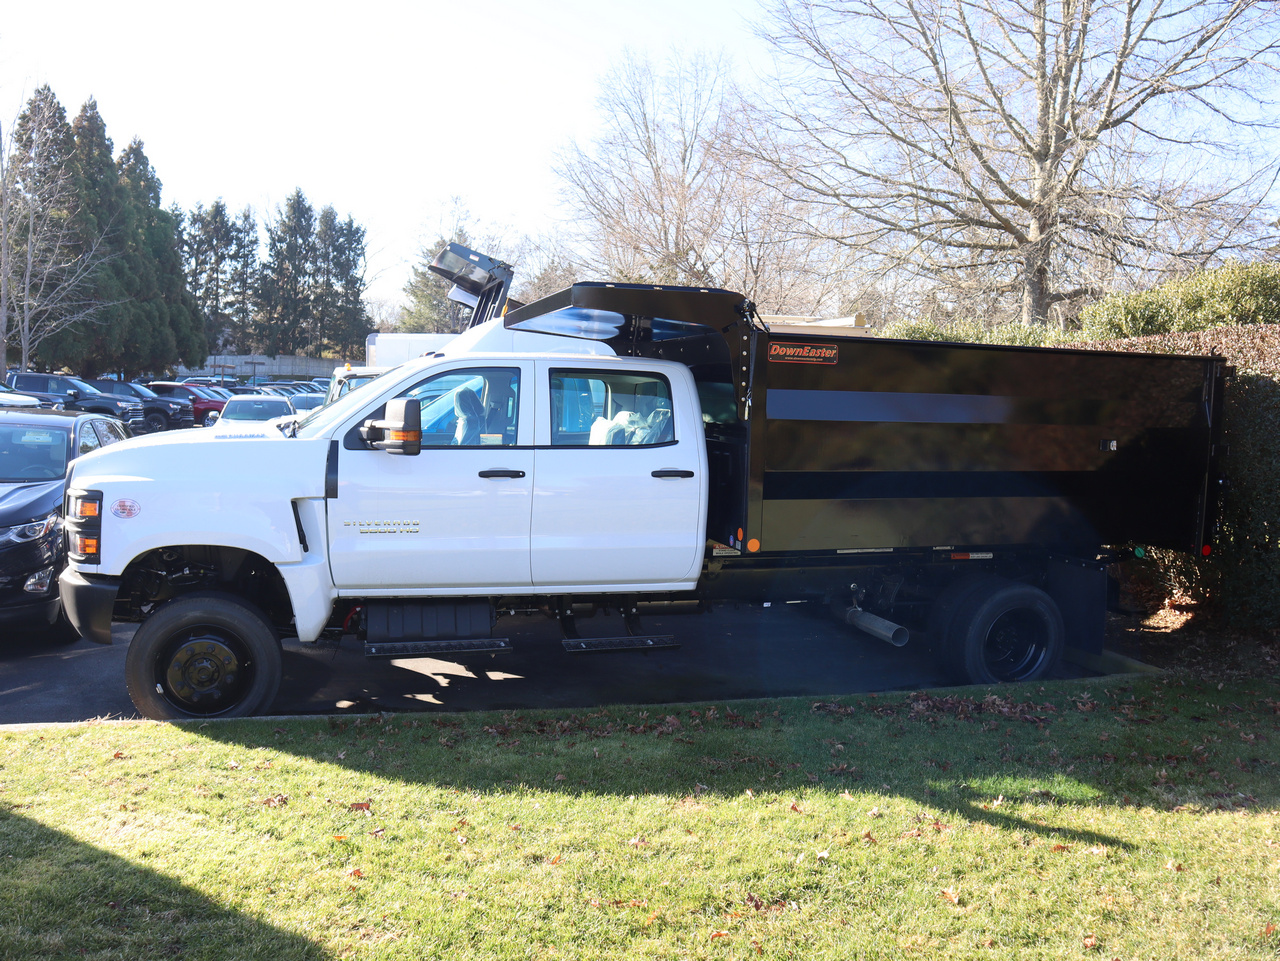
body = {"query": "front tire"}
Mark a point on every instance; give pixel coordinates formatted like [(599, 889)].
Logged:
[(156, 422), (203, 655), (1004, 632)]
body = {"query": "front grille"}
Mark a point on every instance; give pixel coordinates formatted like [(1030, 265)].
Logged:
[(134, 414)]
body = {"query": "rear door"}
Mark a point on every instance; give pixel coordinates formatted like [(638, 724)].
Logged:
[(454, 518), (620, 489)]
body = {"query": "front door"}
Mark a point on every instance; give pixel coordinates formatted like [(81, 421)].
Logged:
[(454, 517)]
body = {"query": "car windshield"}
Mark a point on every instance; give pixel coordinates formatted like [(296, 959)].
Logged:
[(82, 386), (33, 453), (142, 391), (256, 408)]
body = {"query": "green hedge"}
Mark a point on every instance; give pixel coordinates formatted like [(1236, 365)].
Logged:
[(1233, 294)]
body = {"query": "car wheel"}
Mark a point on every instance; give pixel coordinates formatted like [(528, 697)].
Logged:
[(210, 418), (1004, 631), (156, 422), (203, 655)]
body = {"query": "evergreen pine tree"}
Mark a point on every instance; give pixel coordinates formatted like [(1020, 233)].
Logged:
[(283, 318)]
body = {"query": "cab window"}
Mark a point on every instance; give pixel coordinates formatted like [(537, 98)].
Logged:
[(603, 408), (475, 407)]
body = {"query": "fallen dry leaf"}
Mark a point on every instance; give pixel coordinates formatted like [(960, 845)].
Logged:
[(1090, 941), (119, 754), (636, 841), (339, 837), (1173, 866), (866, 836), (355, 873), (796, 807), (719, 934), (556, 860), (234, 765), (1061, 847), (951, 894), (276, 800), (358, 806)]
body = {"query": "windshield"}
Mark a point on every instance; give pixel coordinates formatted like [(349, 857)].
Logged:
[(322, 417), (33, 453), (142, 391), (256, 408), (82, 386)]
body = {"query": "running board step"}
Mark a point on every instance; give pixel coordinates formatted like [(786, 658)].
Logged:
[(478, 645), (586, 645)]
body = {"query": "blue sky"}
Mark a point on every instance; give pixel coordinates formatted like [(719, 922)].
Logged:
[(384, 109)]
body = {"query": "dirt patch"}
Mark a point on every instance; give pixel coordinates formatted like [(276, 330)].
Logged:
[(1184, 637)]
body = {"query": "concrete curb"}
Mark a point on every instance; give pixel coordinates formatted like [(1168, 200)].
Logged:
[(1109, 662)]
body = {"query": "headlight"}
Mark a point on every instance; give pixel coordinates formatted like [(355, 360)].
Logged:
[(31, 531)]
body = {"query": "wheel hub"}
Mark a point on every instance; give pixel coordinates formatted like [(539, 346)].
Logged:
[(203, 669)]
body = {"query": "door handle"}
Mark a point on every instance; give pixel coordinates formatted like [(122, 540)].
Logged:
[(502, 473), (673, 473)]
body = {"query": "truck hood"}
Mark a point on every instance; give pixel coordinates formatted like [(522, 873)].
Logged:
[(195, 460)]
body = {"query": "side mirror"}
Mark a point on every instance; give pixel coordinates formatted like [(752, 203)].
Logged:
[(400, 432), (73, 393), (211, 418)]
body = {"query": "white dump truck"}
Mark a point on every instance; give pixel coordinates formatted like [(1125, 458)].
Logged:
[(648, 448)]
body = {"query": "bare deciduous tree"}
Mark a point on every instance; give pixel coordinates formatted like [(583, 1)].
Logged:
[(665, 196), (46, 263), (1030, 152)]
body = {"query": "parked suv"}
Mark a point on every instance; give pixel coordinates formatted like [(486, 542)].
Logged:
[(36, 446), (162, 413), (203, 403), (76, 394)]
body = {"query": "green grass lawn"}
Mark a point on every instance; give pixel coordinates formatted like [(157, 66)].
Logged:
[(1116, 818)]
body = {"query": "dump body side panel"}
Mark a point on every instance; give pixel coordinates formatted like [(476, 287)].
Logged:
[(873, 444)]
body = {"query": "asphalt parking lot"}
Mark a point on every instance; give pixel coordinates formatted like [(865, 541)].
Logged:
[(732, 652)]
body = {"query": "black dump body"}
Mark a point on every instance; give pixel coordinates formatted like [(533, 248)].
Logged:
[(830, 444)]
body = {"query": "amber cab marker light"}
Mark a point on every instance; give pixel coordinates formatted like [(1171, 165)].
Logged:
[(84, 507)]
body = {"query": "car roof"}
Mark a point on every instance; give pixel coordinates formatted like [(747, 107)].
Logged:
[(44, 416)]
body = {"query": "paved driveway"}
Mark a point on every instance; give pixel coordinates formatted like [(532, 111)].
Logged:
[(730, 653)]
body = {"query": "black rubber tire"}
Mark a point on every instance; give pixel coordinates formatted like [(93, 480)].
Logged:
[(1003, 631), (203, 655), (156, 422)]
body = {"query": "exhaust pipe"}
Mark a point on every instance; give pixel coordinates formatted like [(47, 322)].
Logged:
[(878, 627)]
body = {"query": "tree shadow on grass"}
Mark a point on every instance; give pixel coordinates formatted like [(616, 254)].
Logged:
[(959, 753), (63, 898)]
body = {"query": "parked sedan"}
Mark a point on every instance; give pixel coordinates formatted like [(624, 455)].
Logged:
[(36, 447), (249, 412), (12, 398)]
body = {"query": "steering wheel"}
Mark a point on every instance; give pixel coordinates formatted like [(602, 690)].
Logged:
[(37, 470)]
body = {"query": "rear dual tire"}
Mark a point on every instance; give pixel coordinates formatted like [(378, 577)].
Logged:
[(992, 631)]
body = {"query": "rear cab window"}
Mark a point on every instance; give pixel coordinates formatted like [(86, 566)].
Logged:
[(610, 408)]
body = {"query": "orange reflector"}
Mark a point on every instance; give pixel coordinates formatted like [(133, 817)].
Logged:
[(86, 545), (753, 545), (404, 436), (739, 533)]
